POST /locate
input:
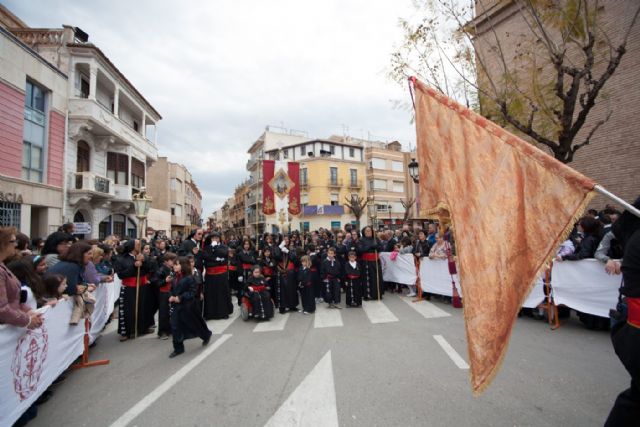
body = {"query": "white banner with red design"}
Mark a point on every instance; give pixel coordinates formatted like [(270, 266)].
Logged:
[(30, 360), (281, 189)]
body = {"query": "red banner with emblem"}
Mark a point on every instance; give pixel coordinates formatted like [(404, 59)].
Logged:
[(294, 193), (268, 202)]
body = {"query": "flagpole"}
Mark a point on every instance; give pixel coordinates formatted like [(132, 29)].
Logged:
[(601, 190)]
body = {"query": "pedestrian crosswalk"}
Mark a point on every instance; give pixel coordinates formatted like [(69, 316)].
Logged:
[(384, 311)]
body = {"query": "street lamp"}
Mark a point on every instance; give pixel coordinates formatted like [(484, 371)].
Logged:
[(414, 173), (141, 204)]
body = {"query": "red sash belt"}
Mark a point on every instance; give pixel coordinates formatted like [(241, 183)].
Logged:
[(370, 256), (246, 266), (165, 288), (267, 271), (633, 313), (232, 268), (258, 288), (131, 281), (291, 267), (352, 276), (313, 269), (219, 269)]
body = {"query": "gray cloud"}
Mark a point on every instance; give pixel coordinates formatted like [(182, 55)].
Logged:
[(218, 72)]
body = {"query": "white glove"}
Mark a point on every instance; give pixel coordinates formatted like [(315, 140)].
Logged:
[(285, 250), (240, 279), (214, 243)]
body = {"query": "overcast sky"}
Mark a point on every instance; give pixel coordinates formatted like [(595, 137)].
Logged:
[(219, 72)]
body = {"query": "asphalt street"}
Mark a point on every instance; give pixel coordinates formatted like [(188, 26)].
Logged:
[(394, 364)]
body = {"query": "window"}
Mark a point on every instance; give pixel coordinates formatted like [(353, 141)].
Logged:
[(397, 166), (304, 200), (137, 173), (302, 153), (332, 149), (335, 225), (333, 173), (33, 139), (84, 87), (118, 168), (136, 126), (10, 214), (176, 210), (173, 184), (379, 184), (397, 207), (378, 163), (303, 176), (398, 186), (285, 153), (334, 199), (382, 207), (352, 152), (354, 177)]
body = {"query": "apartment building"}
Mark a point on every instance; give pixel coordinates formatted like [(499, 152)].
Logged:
[(387, 183), (172, 188), (111, 134), (33, 105)]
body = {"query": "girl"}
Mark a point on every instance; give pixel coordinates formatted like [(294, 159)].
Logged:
[(352, 281), (247, 259), (305, 285), (259, 293), (54, 286), (186, 320)]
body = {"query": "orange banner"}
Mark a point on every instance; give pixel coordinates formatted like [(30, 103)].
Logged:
[(510, 204)]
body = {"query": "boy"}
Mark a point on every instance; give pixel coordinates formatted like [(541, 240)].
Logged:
[(330, 272), (305, 284), (162, 279), (352, 281)]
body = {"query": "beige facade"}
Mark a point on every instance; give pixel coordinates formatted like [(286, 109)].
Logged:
[(386, 183), (172, 188), (613, 157)]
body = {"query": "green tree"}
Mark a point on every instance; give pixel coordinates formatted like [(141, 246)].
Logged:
[(542, 81)]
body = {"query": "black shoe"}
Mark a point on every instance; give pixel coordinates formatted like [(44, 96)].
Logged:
[(175, 353), (206, 340)]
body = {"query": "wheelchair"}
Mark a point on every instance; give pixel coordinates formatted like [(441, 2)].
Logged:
[(246, 309)]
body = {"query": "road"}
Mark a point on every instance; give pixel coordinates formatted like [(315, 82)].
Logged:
[(394, 364)]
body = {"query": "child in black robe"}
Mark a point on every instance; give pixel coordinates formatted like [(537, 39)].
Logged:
[(186, 319), (259, 293), (305, 284), (330, 272), (353, 292)]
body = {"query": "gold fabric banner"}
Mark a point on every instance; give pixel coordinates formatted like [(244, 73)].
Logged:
[(511, 206)]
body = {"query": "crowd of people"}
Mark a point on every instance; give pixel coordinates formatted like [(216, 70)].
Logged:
[(171, 288)]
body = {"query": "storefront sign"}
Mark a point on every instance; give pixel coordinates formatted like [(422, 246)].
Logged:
[(10, 197)]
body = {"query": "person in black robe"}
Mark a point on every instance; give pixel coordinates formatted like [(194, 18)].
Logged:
[(259, 293), (330, 272), (305, 285), (234, 270), (162, 279), (132, 269), (369, 249), (269, 272), (247, 259), (625, 334), (186, 320), (288, 281), (194, 239), (316, 262), (217, 296), (353, 291)]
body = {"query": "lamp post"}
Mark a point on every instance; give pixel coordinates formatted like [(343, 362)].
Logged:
[(141, 204), (414, 172)]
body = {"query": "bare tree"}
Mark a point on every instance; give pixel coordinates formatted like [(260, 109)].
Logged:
[(542, 82), (407, 205), (356, 205)]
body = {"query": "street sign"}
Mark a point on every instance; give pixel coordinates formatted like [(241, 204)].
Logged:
[(82, 228)]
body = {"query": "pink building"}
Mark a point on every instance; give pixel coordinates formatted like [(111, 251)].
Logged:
[(33, 105)]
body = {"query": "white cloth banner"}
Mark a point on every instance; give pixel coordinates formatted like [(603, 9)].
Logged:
[(401, 270), (536, 296), (435, 277), (30, 360), (585, 286)]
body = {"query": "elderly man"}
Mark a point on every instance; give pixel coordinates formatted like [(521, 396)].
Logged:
[(195, 237)]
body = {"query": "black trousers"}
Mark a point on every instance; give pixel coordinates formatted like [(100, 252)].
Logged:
[(626, 343), (332, 291), (164, 316)]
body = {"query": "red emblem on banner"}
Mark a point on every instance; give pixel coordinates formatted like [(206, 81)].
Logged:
[(294, 193), (28, 361)]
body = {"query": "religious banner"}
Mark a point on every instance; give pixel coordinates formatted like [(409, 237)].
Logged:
[(268, 202), (294, 193), (494, 187)]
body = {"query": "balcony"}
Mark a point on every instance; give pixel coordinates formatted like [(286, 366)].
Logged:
[(98, 185), (304, 185), (105, 123), (355, 184), (334, 183)]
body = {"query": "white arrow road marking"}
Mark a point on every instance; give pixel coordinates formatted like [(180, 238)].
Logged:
[(378, 312), (425, 308), (150, 398), (453, 355), (219, 326), (277, 323), (327, 317), (313, 402)]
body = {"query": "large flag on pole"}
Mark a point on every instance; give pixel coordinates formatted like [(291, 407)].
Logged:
[(281, 187), (510, 204)]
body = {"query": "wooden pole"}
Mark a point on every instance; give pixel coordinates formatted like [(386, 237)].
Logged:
[(137, 301), (85, 353), (377, 275)]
